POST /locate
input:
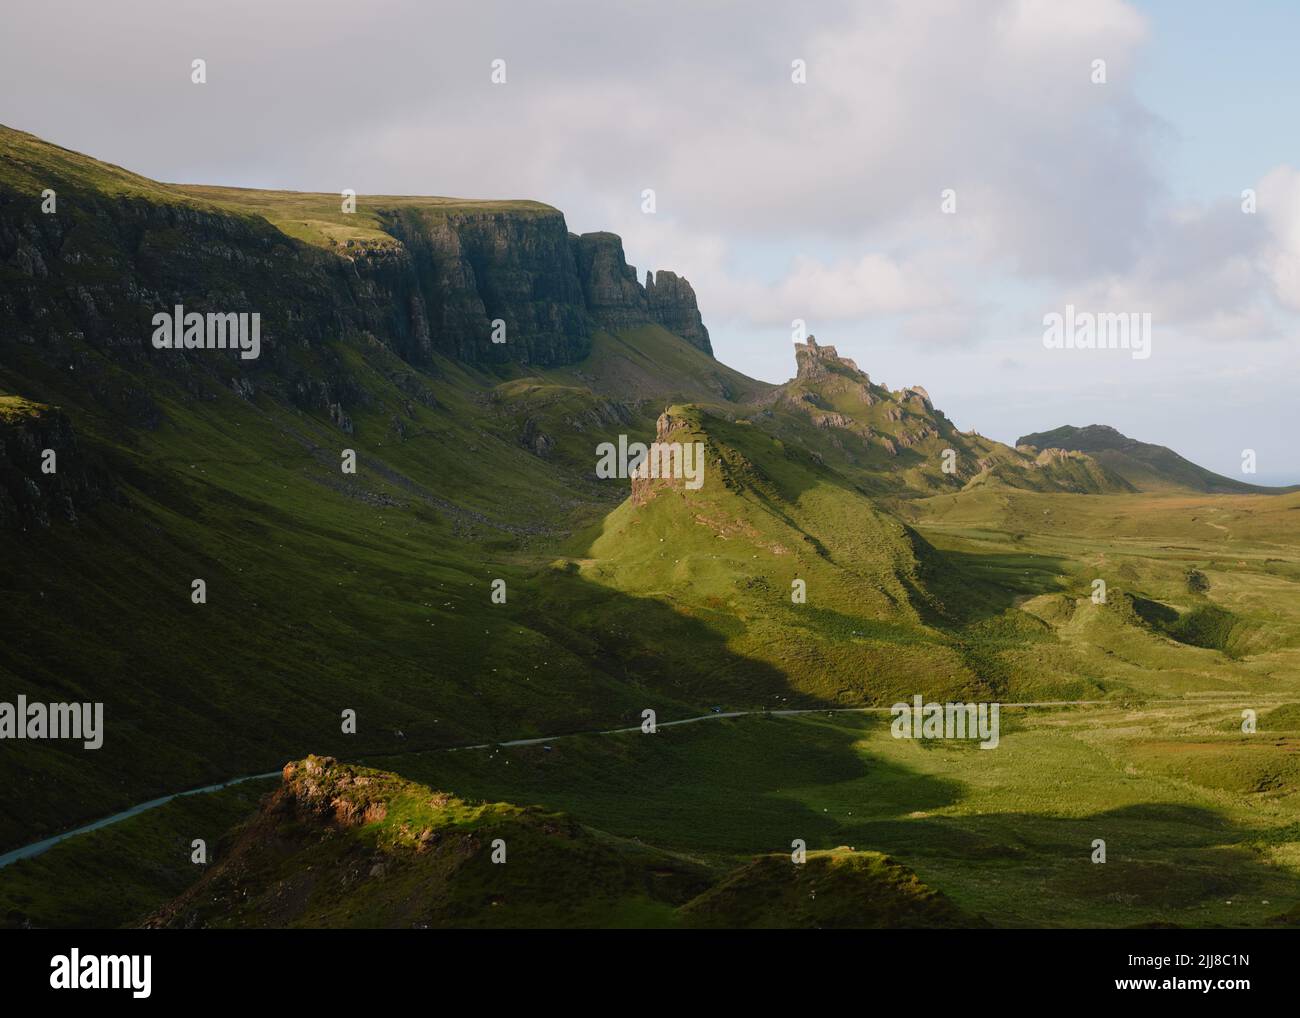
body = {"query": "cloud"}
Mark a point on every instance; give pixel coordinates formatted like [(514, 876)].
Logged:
[(873, 284), (777, 200), (1212, 272), (1278, 203)]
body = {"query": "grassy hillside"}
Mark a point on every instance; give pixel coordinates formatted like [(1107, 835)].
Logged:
[(1201, 591), (1199, 820), (693, 825)]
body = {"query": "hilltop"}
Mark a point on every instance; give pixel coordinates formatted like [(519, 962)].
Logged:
[(1145, 466)]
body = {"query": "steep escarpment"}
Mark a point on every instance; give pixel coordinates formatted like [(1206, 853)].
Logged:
[(81, 284), (89, 253), (465, 270), (617, 301)]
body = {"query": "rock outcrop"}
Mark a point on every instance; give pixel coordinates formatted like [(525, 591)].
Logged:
[(613, 296), (677, 451), (616, 300), (672, 304), (815, 362), (43, 475)]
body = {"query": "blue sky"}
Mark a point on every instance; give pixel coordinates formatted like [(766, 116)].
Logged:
[(1220, 74)]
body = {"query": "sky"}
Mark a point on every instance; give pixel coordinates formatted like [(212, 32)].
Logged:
[(821, 200)]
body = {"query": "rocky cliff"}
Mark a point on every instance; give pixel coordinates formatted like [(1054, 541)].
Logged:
[(431, 277), (672, 305), (459, 272), (617, 301)]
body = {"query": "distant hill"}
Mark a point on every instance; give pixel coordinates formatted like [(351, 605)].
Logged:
[(1147, 467)]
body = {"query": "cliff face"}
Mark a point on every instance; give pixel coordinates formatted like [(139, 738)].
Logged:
[(672, 305), (462, 271), (613, 296), (616, 300), (79, 289), (99, 269), (80, 284)]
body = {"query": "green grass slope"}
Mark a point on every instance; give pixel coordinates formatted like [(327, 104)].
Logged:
[(1199, 819)]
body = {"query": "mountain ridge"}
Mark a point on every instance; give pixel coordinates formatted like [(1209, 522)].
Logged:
[(900, 441), (1143, 464)]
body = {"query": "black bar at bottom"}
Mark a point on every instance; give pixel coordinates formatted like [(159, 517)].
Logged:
[(434, 969)]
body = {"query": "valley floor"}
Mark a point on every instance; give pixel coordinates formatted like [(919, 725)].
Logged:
[(1201, 823)]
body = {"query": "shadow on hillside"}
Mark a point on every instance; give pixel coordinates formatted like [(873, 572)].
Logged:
[(648, 646), (978, 585), (328, 620), (730, 786)]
